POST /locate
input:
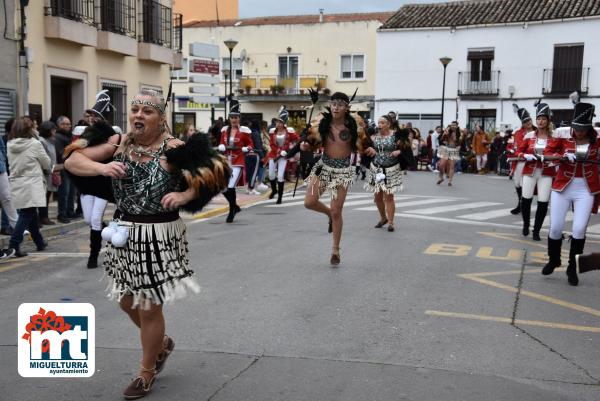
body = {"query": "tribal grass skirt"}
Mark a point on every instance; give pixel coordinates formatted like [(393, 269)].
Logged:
[(330, 178), (152, 266), (449, 153), (391, 184)]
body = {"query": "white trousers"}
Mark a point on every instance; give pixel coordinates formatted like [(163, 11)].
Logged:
[(235, 176), (93, 210), (5, 200), (518, 175), (481, 161), (576, 193), (279, 166), (544, 184)]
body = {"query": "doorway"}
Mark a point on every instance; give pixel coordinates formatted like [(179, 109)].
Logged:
[(61, 98)]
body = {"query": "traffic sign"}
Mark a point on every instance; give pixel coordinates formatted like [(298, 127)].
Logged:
[(211, 90), (204, 50), (204, 67)]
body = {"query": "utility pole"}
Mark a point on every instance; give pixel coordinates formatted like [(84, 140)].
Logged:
[(23, 66)]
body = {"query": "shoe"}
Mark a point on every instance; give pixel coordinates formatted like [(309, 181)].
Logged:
[(381, 223), (391, 228), (535, 235), (26, 233), (19, 254), (63, 220), (6, 231), (335, 259), (75, 216), (255, 192), (439, 181), (449, 184), (436, 171), (44, 246), (46, 221), (161, 360), (262, 187), (429, 168), (139, 386), (330, 226), (7, 253)]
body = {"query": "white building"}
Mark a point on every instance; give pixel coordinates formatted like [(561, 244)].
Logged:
[(502, 51), (276, 60)]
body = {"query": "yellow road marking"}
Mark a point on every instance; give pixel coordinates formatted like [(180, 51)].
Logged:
[(13, 265), (531, 294), (10, 266), (448, 249), (522, 322), (485, 252)]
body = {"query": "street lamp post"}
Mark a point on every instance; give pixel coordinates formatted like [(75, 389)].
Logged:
[(445, 61), (230, 43)]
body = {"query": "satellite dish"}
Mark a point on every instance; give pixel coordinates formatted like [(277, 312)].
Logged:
[(243, 54)]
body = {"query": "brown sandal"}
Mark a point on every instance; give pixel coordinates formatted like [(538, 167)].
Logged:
[(168, 345), (335, 257), (381, 223), (140, 386)]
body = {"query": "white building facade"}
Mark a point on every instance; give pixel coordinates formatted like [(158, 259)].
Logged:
[(500, 55)]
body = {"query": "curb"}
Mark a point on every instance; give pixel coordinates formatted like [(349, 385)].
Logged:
[(49, 231)]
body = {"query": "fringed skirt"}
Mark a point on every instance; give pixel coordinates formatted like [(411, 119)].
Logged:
[(448, 152), (152, 266), (391, 182), (332, 174)]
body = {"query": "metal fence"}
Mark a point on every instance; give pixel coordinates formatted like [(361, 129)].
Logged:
[(76, 10), (482, 83), (118, 16), (156, 24), (178, 33), (565, 80)]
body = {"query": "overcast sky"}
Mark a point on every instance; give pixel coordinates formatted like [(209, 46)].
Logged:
[(263, 8)]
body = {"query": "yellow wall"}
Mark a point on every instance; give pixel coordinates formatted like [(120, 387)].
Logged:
[(206, 10), (94, 64)]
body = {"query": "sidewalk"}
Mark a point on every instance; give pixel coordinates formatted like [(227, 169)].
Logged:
[(217, 206)]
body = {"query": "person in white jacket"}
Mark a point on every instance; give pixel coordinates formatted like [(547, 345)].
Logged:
[(28, 163)]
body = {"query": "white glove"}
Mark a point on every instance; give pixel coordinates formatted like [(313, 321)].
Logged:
[(570, 156), (222, 148), (529, 157), (245, 149), (283, 153)]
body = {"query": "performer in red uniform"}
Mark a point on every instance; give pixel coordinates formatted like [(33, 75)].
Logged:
[(516, 168), (536, 172), (235, 141), (281, 140), (576, 184)]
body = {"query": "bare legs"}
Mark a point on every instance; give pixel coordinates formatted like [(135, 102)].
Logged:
[(386, 205), (446, 167), (450, 171)]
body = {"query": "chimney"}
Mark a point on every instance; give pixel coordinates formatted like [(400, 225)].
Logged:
[(321, 14)]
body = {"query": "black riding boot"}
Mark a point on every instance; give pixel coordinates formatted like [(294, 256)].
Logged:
[(576, 249), (279, 192), (526, 214), (517, 209), (554, 248), (95, 246), (587, 263), (273, 188), (540, 215), (230, 195)]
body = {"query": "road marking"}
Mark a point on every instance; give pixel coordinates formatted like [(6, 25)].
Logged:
[(326, 201), (485, 252), (540, 297), (10, 266), (492, 214), (413, 203), (595, 229), (448, 250), (538, 323), (452, 208)]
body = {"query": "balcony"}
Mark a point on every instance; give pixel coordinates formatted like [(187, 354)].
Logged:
[(117, 27), (155, 38), (272, 87), (562, 81), (71, 20), (480, 84)]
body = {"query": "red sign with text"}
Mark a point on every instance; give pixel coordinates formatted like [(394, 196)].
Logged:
[(204, 67)]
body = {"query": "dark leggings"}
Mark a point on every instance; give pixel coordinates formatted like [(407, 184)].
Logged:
[(27, 221)]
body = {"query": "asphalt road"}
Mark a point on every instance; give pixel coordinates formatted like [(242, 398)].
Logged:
[(450, 306)]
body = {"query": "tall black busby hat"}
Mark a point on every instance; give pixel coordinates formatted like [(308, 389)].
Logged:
[(542, 109), (102, 106), (523, 114), (284, 115), (583, 113), (234, 108)]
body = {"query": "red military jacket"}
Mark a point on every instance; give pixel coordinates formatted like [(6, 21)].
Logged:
[(514, 146), (237, 139), (290, 138), (567, 170), (528, 146)]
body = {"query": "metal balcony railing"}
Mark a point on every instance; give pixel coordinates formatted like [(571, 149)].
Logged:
[(76, 10), (118, 16), (178, 33), (483, 83), (277, 85), (562, 81), (156, 23)]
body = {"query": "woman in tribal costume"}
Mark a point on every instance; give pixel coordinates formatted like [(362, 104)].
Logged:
[(448, 153)]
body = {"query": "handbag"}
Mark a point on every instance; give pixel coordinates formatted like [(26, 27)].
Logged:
[(56, 179)]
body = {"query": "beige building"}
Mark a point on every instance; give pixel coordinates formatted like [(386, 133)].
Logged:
[(78, 47), (206, 10), (277, 59)]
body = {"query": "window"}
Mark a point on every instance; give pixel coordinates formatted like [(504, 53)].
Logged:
[(567, 68), (237, 68), (117, 91), (183, 72), (485, 118), (352, 66), (481, 64), (288, 66)]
